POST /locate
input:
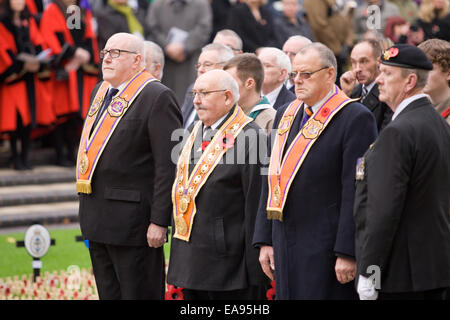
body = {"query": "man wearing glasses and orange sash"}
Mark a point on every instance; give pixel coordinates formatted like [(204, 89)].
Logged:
[(125, 173), (215, 198), (304, 228)]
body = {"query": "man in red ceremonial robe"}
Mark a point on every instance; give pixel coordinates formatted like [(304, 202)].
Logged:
[(76, 70), (25, 99)]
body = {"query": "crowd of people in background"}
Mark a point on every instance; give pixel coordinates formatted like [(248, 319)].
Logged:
[(340, 92), (49, 53)]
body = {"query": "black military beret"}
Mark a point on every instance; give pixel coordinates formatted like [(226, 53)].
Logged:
[(406, 56)]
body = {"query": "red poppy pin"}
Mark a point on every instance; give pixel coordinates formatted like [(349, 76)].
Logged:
[(393, 52), (205, 145), (325, 112), (227, 141)]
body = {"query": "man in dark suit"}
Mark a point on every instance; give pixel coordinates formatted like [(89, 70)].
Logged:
[(277, 67), (213, 56), (360, 82), (215, 198), (304, 225), (403, 184), (124, 174)]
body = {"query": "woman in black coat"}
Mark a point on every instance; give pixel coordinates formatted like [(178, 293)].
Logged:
[(253, 23)]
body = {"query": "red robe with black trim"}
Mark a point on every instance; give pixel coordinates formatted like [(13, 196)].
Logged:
[(17, 95), (68, 97)]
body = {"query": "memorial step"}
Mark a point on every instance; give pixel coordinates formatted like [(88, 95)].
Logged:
[(47, 213), (39, 175), (35, 194)]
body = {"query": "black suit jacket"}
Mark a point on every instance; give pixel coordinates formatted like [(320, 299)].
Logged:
[(380, 110), (132, 181), (401, 206), (285, 96), (219, 255), (253, 34)]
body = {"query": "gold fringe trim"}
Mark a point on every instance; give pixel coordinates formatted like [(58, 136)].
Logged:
[(84, 186), (275, 215)]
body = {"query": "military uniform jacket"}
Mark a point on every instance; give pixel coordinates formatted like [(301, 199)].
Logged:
[(219, 255), (402, 204), (133, 178)]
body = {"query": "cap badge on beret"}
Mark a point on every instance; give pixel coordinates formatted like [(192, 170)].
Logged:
[(390, 53)]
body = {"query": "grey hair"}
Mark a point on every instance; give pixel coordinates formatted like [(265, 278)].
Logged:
[(300, 38), (422, 76), (326, 56), (223, 52), (282, 59), (228, 82), (155, 53), (231, 33)]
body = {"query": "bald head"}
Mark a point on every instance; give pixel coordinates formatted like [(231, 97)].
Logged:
[(125, 64), (294, 44), (215, 93)]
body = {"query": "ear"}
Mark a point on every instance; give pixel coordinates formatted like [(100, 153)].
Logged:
[(331, 72), (249, 83), (137, 60), (283, 74), (228, 97), (411, 81)]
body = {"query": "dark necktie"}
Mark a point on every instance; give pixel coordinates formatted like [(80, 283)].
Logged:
[(364, 93), (307, 114), (111, 93)]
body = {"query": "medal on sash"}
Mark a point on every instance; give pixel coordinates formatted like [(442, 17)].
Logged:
[(186, 187), (92, 146), (283, 169)]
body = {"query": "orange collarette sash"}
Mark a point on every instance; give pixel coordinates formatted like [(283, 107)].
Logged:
[(91, 147), (282, 170), (185, 187)]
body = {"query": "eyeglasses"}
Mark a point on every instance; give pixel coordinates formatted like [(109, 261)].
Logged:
[(305, 75), (203, 94), (207, 65), (114, 53)]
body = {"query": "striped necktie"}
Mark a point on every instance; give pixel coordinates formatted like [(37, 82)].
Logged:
[(308, 112), (364, 93)]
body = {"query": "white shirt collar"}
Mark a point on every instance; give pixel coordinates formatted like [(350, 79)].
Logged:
[(273, 95), (319, 104), (405, 103), (370, 86), (215, 124), (119, 87)]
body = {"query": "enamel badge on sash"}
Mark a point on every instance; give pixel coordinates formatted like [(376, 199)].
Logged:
[(117, 106)]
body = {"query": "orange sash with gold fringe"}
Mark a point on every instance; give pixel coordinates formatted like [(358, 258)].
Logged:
[(186, 187), (92, 146), (282, 170)]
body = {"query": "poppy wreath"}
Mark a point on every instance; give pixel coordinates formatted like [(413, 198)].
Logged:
[(270, 294), (174, 293)]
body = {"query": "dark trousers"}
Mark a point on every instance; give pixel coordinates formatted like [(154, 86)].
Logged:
[(250, 293), (128, 273), (436, 294)]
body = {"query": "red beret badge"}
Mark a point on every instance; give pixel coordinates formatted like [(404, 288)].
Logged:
[(390, 53)]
